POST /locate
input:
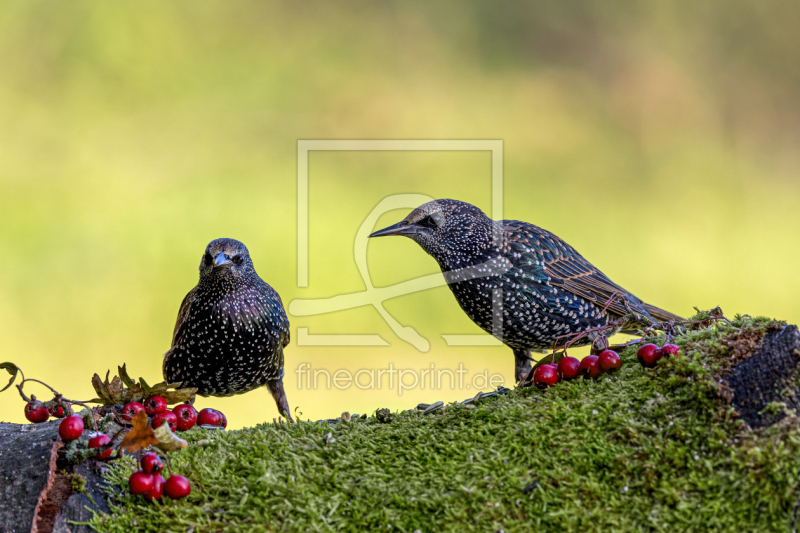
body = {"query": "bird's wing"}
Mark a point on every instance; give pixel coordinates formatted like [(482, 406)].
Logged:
[(568, 269), (183, 315)]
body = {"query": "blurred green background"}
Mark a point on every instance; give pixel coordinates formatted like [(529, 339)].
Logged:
[(659, 139)]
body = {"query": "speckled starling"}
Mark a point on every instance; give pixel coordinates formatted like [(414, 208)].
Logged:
[(518, 281), (231, 329)]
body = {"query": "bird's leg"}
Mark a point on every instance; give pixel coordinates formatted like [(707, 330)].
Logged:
[(275, 387), (522, 360)]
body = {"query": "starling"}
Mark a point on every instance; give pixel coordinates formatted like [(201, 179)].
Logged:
[(231, 329), (519, 280)]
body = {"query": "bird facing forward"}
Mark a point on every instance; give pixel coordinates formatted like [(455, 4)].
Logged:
[(231, 329), (517, 281)]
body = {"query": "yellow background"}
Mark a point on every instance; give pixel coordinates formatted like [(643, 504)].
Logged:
[(659, 139)]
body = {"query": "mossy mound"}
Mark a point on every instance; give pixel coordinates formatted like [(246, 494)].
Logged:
[(640, 450)]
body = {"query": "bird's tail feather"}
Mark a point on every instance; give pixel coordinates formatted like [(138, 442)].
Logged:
[(660, 314)]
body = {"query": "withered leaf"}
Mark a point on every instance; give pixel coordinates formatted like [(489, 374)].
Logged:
[(101, 389), (123, 375), (122, 389), (140, 436), (12, 369), (167, 440), (180, 395), (133, 394), (159, 389), (115, 389), (145, 387)]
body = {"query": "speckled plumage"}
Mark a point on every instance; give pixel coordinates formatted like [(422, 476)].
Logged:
[(231, 329), (546, 288)]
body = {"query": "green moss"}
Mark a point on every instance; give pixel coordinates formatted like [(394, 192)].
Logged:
[(656, 450)]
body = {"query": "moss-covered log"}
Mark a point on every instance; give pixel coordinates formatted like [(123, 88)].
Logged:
[(709, 441)]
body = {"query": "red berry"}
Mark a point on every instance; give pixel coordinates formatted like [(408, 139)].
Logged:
[(545, 376), (57, 411), (177, 487), (648, 355), (590, 367), (99, 441), (70, 428), (669, 350), (155, 404), (151, 464), (36, 413), (223, 421), (130, 410), (187, 416), (165, 416), (158, 489), (568, 368), (140, 483), (209, 417), (609, 361)]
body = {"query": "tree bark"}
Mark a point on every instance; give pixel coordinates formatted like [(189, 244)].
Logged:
[(36, 482)]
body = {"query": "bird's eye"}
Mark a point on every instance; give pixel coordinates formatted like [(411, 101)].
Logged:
[(237, 259), (207, 258), (432, 221)]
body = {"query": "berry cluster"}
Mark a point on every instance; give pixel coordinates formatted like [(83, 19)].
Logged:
[(591, 367), (149, 483), (72, 427), (649, 354), (183, 417), (37, 413), (594, 366)]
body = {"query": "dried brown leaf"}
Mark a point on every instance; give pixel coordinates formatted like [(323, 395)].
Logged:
[(140, 436), (12, 369), (101, 389), (115, 389)]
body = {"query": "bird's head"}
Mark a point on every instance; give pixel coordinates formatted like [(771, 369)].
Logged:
[(226, 257), (450, 230)]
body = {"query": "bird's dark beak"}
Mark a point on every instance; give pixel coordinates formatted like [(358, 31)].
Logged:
[(401, 228), (220, 260)]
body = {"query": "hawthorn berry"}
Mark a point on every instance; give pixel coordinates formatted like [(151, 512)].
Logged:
[(545, 376), (158, 489), (648, 355), (590, 367), (98, 441), (177, 487), (165, 416), (187, 416), (151, 464), (209, 417), (139, 482), (155, 404), (36, 413), (57, 411), (669, 350), (130, 410), (223, 420), (568, 367), (70, 428), (609, 361)]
